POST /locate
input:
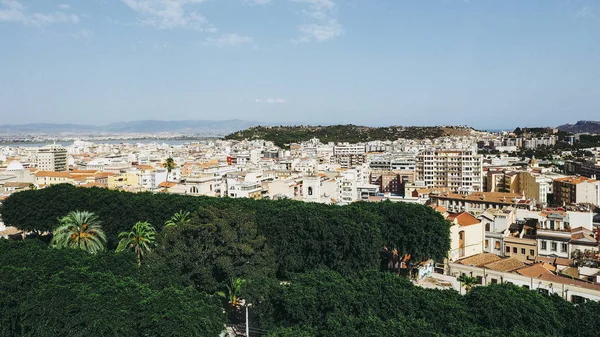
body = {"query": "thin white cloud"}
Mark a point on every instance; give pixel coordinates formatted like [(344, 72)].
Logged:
[(323, 25), (256, 2), (585, 13), (168, 14), (82, 34), (270, 100), (320, 32), (228, 40), (14, 11), (64, 6)]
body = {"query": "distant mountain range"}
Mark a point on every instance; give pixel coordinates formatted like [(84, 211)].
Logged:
[(198, 127), (581, 127)]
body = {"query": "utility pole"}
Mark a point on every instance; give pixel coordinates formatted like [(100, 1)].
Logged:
[(247, 321)]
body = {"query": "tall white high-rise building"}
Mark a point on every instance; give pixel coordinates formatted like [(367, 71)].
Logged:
[(460, 170), (52, 158)]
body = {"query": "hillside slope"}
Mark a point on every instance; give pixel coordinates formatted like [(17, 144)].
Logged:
[(284, 135), (581, 127)]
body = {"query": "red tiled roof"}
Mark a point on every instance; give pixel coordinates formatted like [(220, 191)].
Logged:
[(167, 184), (463, 219)]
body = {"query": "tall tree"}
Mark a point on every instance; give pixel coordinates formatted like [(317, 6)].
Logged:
[(467, 281), (140, 239), (169, 164), (81, 230), (179, 218), (232, 295)]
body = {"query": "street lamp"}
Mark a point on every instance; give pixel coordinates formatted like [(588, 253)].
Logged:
[(247, 320)]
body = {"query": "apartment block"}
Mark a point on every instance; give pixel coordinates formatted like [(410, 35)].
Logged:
[(52, 158), (390, 181), (535, 186), (459, 170), (576, 190)]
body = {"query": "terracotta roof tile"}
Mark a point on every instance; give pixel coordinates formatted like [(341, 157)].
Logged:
[(506, 264), (479, 260), (535, 270)]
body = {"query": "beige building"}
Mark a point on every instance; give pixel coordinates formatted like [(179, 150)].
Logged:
[(523, 249), (123, 181), (477, 203), (52, 158), (535, 186)]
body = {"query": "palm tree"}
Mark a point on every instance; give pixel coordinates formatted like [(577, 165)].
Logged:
[(169, 164), (233, 292), (467, 281), (140, 239), (79, 229), (179, 218)]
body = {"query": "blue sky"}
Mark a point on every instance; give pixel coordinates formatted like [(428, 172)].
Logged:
[(487, 64)]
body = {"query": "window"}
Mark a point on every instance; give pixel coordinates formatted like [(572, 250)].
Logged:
[(543, 291), (544, 245), (498, 245), (531, 252), (487, 227), (563, 247), (577, 299), (525, 286), (494, 281), (487, 244), (522, 251), (479, 280), (507, 249), (552, 224), (514, 250), (553, 246)]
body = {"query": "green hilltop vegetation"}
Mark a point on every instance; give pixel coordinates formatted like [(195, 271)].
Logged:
[(283, 136), (308, 269)]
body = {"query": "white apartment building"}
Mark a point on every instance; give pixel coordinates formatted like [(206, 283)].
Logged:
[(407, 162), (347, 187), (244, 189), (460, 170), (52, 158), (349, 149)]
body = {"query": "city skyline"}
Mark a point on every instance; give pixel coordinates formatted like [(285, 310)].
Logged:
[(440, 62)]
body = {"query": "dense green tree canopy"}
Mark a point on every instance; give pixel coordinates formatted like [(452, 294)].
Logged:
[(325, 303), (49, 292), (301, 236), (282, 136), (309, 270)]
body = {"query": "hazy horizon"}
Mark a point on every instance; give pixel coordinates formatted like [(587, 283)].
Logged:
[(485, 64), (263, 123)]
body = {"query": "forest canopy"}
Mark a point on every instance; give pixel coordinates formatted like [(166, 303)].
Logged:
[(307, 269)]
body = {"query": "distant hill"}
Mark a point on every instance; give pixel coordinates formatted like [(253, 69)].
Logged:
[(581, 127), (284, 135), (199, 127)]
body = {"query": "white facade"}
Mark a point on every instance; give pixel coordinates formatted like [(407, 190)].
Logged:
[(311, 188), (588, 192), (350, 149), (563, 287), (52, 158), (459, 170)]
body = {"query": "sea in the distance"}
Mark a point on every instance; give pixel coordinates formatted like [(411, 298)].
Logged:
[(108, 141)]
